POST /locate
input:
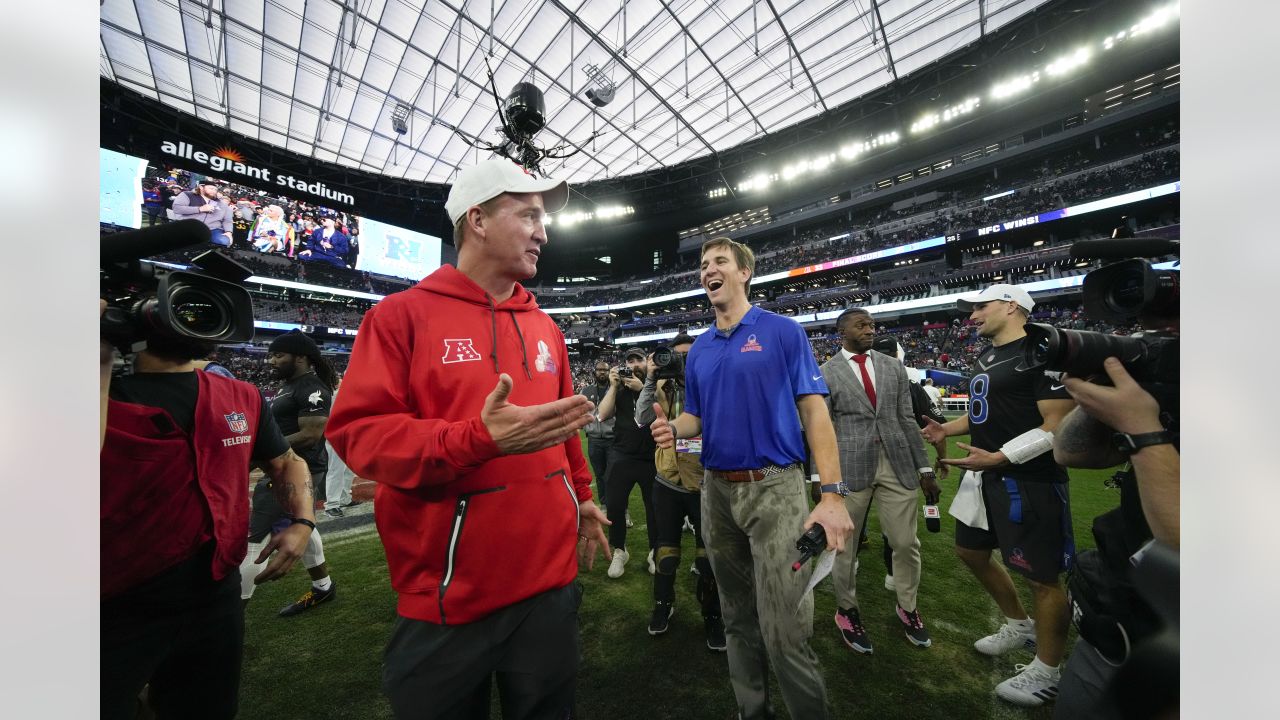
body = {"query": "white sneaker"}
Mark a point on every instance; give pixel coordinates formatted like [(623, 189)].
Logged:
[(889, 584), (619, 563), (1007, 638), (1033, 686), (653, 569)]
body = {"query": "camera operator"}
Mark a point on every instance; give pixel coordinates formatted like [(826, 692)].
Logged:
[(174, 507), (631, 460), (676, 495)]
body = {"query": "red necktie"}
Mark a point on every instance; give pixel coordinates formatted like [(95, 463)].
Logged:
[(866, 378)]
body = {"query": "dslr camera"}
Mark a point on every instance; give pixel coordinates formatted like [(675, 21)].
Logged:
[(1124, 291), (206, 304), (668, 364)]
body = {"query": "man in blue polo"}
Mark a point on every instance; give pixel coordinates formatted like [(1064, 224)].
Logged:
[(751, 385)]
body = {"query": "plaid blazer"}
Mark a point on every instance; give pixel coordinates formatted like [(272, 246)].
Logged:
[(860, 428)]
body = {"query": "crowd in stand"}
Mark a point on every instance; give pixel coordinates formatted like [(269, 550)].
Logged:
[(1047, 185)]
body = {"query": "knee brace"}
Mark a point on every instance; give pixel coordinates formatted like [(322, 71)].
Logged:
[(667, 559)]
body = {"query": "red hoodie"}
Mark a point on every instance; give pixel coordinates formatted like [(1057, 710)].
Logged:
[(467, 531)]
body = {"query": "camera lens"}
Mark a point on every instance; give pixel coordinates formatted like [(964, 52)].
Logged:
[(1076, 352), (199, 313)]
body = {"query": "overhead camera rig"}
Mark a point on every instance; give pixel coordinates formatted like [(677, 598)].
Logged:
[(523, 115)]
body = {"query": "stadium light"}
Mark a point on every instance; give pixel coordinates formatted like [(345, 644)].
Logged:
[(1067, 63)]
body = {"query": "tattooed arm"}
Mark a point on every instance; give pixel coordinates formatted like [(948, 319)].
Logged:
[(291, 482), (1082, 442)]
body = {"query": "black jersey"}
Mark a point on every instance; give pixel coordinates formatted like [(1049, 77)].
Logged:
[(303, 396), (1002, 406)]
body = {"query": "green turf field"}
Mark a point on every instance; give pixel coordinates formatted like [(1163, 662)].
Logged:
[(326, 663)]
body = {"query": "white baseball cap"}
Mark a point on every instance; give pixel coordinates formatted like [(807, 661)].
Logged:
[(999, 291), (490, 178)]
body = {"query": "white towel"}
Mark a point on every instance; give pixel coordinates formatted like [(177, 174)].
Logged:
[(967, 506)]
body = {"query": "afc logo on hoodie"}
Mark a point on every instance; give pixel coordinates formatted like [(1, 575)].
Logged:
[(459, 350)]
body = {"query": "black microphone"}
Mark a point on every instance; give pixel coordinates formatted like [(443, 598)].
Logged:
[(1123, 248), (932, 518), (811, 543), (135, 244)]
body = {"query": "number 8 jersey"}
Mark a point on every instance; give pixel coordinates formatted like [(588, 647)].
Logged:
[(1002, 406)]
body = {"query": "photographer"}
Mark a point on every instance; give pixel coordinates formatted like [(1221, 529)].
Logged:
[(1124, 594), (1088, 439), (174, 507), (676, 495), (631, 460)]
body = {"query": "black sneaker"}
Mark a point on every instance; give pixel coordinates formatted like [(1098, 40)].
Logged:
[(914, 628), (335, 513), (855, 636), (309, 600), (661, 619), (715, 634), (353, 503)]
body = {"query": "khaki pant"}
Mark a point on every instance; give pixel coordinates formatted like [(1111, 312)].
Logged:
[(750, 530), (898, 508)]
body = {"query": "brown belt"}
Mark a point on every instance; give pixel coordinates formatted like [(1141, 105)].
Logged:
[(753, 475)]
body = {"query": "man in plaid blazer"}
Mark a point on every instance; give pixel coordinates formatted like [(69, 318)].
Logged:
[(881, 455)]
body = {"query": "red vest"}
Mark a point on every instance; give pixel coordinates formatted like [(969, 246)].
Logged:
[(165, 493)]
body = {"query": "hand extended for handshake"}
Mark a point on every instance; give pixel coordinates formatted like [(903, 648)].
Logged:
[(518, 429)]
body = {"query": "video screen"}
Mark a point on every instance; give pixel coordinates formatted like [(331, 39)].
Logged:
[(120, 188), (136, 194)]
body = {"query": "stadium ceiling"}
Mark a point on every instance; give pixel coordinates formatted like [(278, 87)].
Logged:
[(322, 77)]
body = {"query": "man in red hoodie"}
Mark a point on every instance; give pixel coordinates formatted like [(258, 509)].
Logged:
[(459, 403)]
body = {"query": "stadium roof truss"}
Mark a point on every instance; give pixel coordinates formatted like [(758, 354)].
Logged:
[(692, 78)]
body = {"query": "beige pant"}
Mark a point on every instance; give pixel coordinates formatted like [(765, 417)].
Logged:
[(897, 508)]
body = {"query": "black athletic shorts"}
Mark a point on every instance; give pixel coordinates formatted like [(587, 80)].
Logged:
[(267, 516), (1030, 523)]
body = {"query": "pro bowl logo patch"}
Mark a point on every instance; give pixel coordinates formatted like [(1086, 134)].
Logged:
[(1016, 558), (237, 422), (543, 362), (751, 345)]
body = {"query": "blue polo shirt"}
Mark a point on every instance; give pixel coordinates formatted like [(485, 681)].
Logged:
[(744, 387)]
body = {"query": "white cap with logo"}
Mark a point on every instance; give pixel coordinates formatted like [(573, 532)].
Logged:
[(490, 178), (999, 291)]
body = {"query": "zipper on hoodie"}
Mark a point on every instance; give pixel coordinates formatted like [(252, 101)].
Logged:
[(573, 497), (459, 515)]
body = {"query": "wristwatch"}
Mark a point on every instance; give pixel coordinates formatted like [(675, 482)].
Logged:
[(1129, 444), (838, 488)]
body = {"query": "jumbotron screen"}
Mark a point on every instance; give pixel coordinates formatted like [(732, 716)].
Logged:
[(136, 194)]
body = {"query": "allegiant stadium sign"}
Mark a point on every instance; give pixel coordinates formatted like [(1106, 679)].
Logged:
[(227, 160)]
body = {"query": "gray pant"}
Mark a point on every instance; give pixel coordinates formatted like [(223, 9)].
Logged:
[(750, 530), (1084, 685)]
